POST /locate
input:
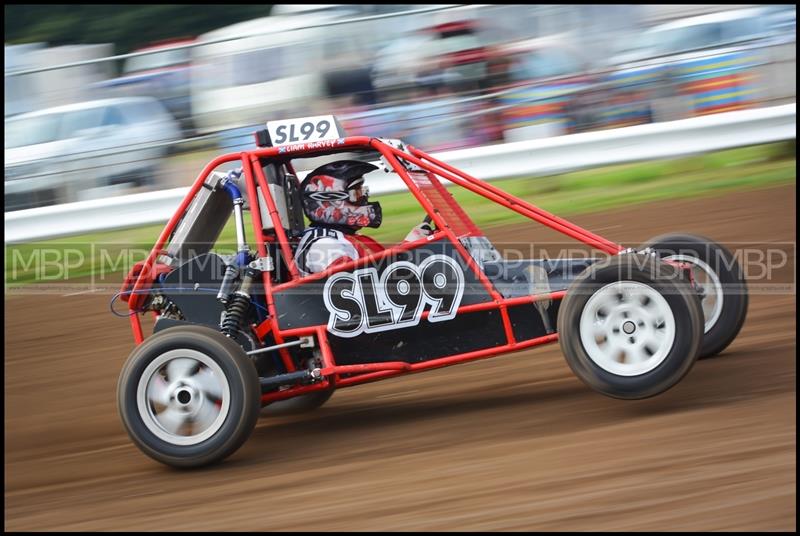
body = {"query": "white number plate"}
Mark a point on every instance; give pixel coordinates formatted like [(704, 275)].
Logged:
[(303, 129)]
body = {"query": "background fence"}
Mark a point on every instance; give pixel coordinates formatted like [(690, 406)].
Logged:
[(439, 77), (527, 158)]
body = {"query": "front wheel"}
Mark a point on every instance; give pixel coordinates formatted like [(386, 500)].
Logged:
[(630, 327), (717, 274), (189, 396)]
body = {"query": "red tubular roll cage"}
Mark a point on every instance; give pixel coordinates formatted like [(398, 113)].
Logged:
[(331, 372)]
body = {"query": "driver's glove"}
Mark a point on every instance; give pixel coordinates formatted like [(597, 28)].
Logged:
[(420, 231)]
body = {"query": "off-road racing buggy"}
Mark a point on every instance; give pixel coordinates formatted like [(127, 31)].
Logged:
[(235, 333)]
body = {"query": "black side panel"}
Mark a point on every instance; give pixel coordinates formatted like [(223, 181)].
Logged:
[(465, 333), (162, 323), (198, 281), (530, 321), (403, 308)]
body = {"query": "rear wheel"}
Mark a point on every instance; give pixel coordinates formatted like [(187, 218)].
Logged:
[(630, 327), (719, 277), (189, 396)]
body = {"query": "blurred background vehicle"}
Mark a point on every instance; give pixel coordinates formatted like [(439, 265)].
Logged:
[(269, 68), (63, 153), (450, 54), (543, 80), (417, 78), (48, 87), (438, 76), (163, 74), (693, 66)]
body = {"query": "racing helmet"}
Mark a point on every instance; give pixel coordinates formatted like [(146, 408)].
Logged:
[(335, 194)]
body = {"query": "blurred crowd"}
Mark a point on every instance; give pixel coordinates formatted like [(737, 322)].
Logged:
[(438, 77)]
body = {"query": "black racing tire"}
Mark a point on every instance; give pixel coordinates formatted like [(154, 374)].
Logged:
[(645, 295), (298, 404), (197, 351), (727, 319)]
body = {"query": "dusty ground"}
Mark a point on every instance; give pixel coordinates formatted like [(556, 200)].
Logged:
[(511, 443)]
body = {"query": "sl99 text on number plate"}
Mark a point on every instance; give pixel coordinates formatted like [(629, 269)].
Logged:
[(303, 129)]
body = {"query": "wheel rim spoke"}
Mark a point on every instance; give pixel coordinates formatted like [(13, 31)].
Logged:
[(205, 416), (638, 354), (618, 353), (180, 368), (172, 419), (190, 404), (635, 331), (208, 383), (158, 391)]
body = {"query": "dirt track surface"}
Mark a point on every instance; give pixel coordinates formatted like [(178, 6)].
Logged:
[(511, 443)]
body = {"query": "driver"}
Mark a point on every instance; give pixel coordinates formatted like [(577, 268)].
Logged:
[(336, 200)]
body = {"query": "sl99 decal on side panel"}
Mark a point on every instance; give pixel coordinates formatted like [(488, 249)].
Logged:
[(363, 302)]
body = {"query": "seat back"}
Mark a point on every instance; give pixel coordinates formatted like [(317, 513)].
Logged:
[(284, 188), (285, 191)]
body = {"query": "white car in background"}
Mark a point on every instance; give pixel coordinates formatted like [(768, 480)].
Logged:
[(57, 154), (273, 66)]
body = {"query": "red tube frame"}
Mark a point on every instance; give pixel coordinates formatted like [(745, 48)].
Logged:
[(254, 177)]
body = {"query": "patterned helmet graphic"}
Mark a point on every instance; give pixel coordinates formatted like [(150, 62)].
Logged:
[(335, 194)]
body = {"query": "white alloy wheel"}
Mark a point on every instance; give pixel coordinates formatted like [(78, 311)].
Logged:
[(627, 328), (183, 397)]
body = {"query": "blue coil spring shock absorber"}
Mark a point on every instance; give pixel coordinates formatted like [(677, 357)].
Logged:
[(238, 304)]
